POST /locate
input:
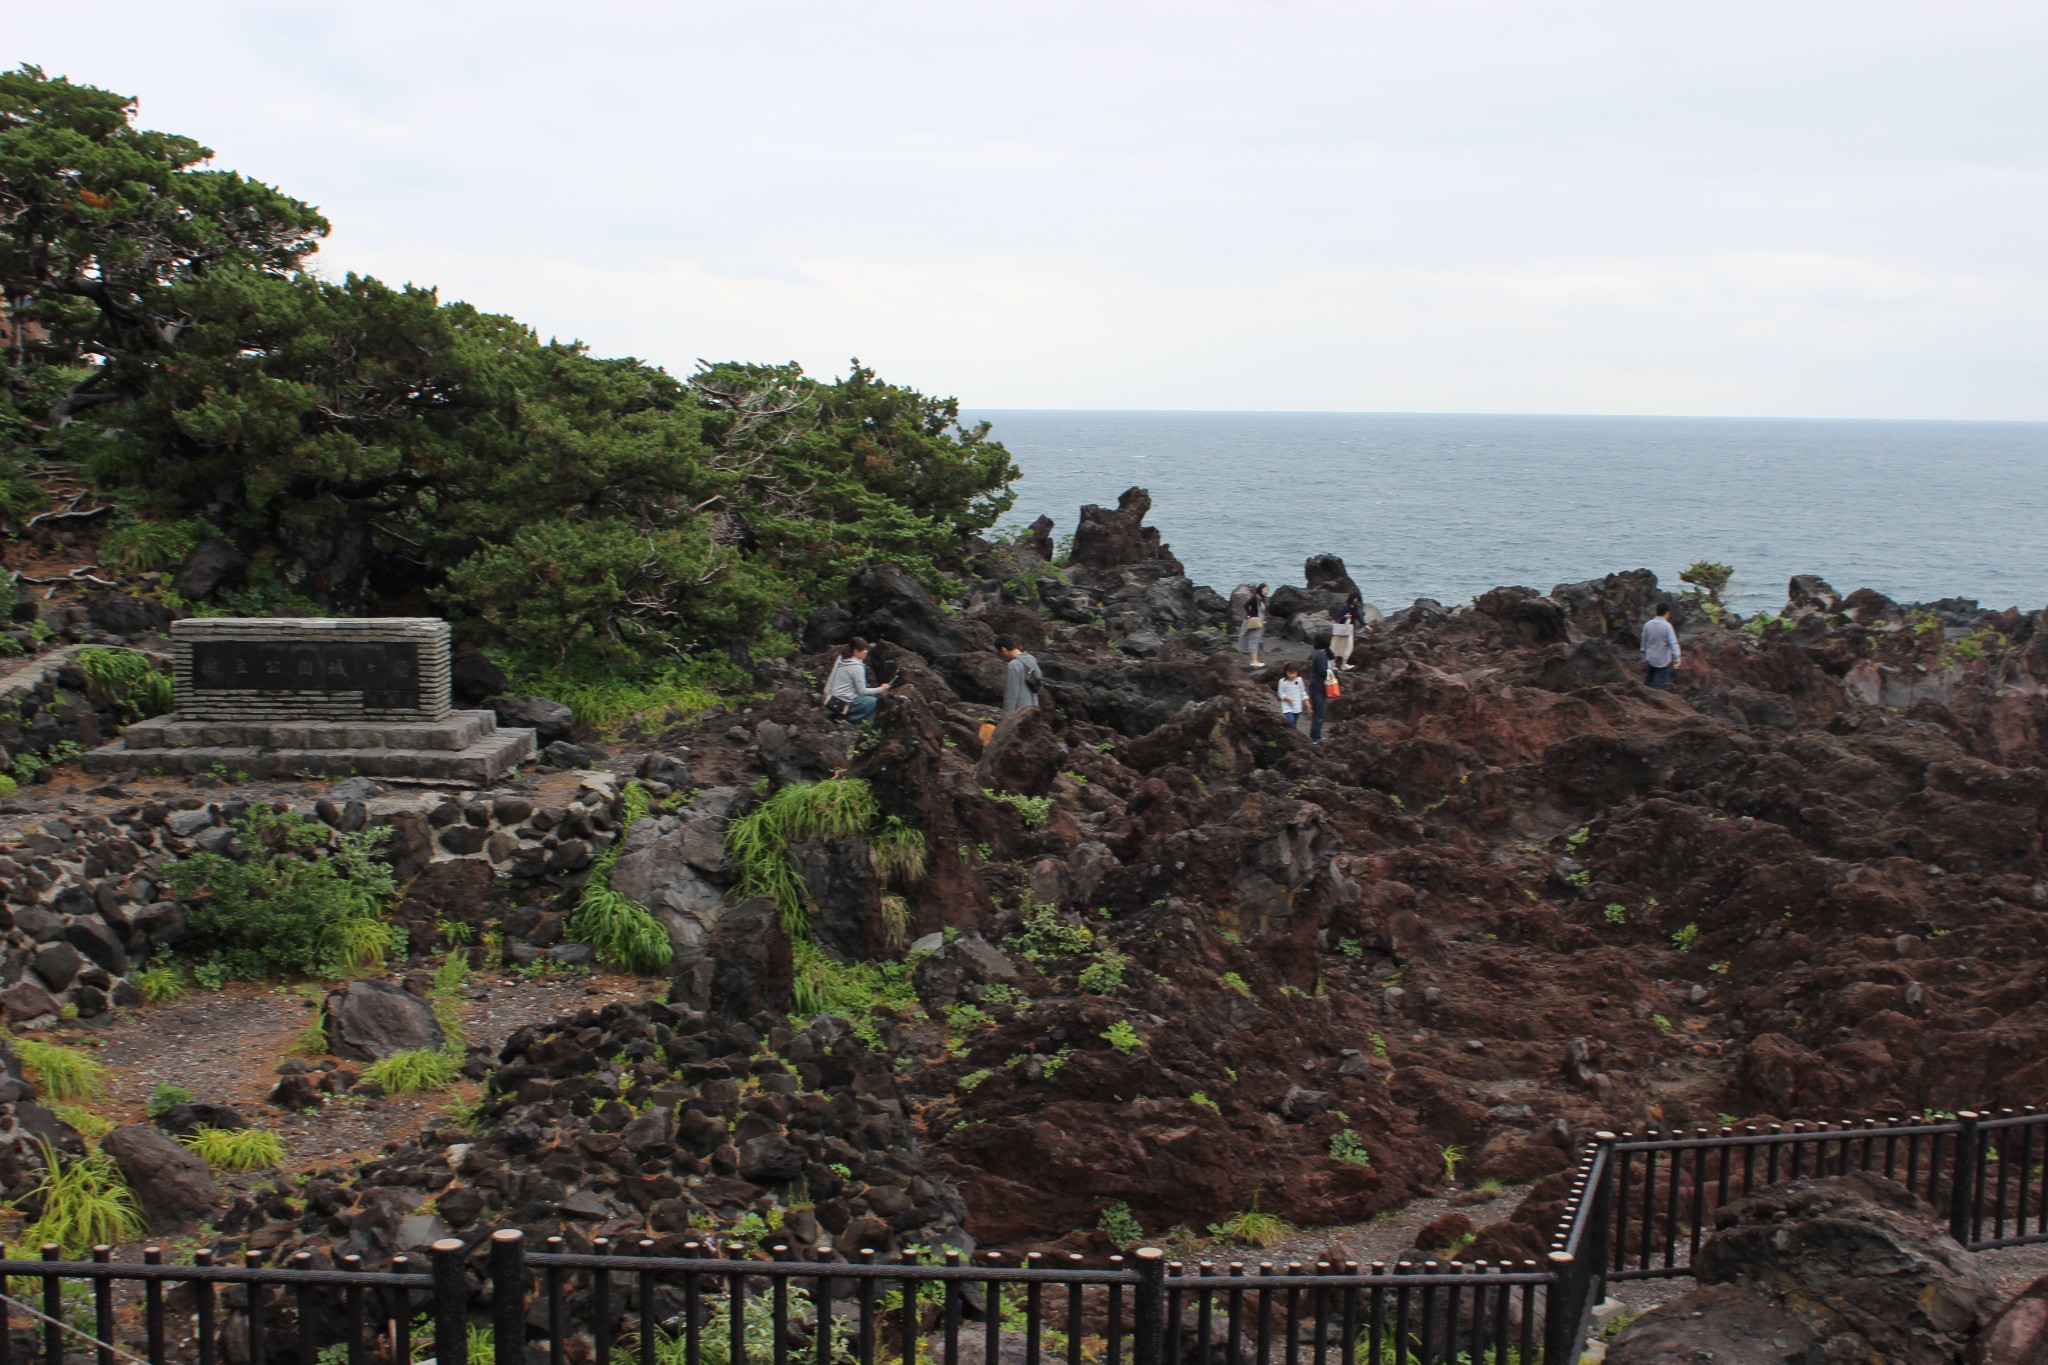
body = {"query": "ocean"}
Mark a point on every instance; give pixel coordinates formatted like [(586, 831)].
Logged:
[(1447, 506)]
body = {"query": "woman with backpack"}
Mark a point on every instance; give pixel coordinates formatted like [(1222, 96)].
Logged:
[(848, 696), (1253, 632)]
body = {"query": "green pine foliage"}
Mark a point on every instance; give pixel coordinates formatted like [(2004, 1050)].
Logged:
[(304, 900), (181, 353)]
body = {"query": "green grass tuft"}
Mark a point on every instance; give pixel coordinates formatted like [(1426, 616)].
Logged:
[(1251, 1227), (165, 1098), (58, 1073), (84, 1203), (759, 841), (91, 1125), (620, 930), (236, 1149), (897, 852), (159, 983), (409, 1073)]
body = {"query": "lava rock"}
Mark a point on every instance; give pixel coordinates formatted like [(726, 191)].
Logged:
[(366, 1020), (962, 969), (1860, 1260), (550, 720), (172, 1186), (181, 1119), (211, 565), (1108, 539), (473, 678), (2019, 1334), (1024, 755), (1713, 1324)]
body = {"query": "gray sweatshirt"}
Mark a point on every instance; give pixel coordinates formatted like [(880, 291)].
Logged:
[(1017, 676), (849, 680)]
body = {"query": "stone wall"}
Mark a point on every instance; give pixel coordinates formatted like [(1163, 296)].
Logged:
[(388, 668)]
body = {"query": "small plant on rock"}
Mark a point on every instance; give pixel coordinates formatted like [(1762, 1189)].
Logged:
[(1123, 1037), (974, 1078), (1120, 1225), (1253, 1227), (1046, 935), (1203, 1101), (164, 1098), (1105, 975), (1347, 1147), (1616, 913), (1452, 1156), (1685, 938), (1237, 983), (160, 982)]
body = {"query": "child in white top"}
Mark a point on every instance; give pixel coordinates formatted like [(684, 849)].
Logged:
[(1293, 694)]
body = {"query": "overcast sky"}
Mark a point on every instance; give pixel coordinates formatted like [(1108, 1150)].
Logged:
[(1800, 209)]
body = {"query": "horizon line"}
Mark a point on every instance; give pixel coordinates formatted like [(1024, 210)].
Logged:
[(1393, 412)]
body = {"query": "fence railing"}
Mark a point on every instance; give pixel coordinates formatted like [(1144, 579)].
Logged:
[(1638, 1208), (1640, 1205)]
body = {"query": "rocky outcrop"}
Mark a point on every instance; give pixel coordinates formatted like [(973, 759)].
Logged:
[(1112, 539), (173, 1188), (1861, 1262), (368, 1020), (1716, 1325)]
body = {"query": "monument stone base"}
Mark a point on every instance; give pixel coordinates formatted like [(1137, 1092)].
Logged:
[(465, 748)]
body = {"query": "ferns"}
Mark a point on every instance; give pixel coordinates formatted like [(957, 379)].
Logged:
[(619, 929), (61, 1074), (129, 680)]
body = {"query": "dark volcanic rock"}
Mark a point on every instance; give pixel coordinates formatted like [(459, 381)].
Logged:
[(213, 564), (473, 678), (366, 1020), (1715, 1325), (550, 720), (888, 604), (1861, 1261), (2018, 1335), (1108, 539), (172, 1186), (1024, 756)]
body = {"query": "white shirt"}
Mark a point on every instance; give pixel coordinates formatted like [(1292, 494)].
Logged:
[(1660, 643), (1293, 694)]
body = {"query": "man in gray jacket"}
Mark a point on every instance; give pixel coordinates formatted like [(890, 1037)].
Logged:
[(1021, 678), (1660, 648)]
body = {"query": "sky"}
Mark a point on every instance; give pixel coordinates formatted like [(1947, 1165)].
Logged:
[(1784, 209)]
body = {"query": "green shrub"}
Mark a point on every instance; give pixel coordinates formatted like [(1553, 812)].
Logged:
[(140, 547), (1237, 983), (1709, 577), (8, 786), (1347, 1147), (408, 1073), (851, 990), (306, 900), (1035, 810), (166, 1097), (129, 680), (1045, 934), (1105, 975), (160, 982), (1120, 1225), (1685, 938), (58, 1073), (236, 1149), (896, 851), (1123, 1037), (84, 1203)]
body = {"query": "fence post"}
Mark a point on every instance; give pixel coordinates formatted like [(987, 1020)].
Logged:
[(451, 1304), (1148, 1339), (1561, 1315), (508, 1296), (1962, 1201)]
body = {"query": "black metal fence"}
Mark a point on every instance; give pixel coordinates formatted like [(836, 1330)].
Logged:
[(1639, 1208)]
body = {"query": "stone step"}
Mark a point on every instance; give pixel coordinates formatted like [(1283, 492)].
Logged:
[(460, 730), (478, 765)]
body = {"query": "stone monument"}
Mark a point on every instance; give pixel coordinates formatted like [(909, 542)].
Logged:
[(279, 697)]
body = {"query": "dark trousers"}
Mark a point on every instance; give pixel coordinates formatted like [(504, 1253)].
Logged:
[(1654, 676), (1319, 706)]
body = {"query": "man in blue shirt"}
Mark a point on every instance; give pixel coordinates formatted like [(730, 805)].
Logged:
[(1660, 648)]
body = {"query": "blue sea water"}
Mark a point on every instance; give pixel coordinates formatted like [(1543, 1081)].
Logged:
[(1448, 506)]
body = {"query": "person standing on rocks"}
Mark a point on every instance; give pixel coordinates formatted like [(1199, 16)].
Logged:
[(1660, 648), (1293, 694), (848, 695), (1021, 677), (1346, 629), (1321, 674), (1254, 632)]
